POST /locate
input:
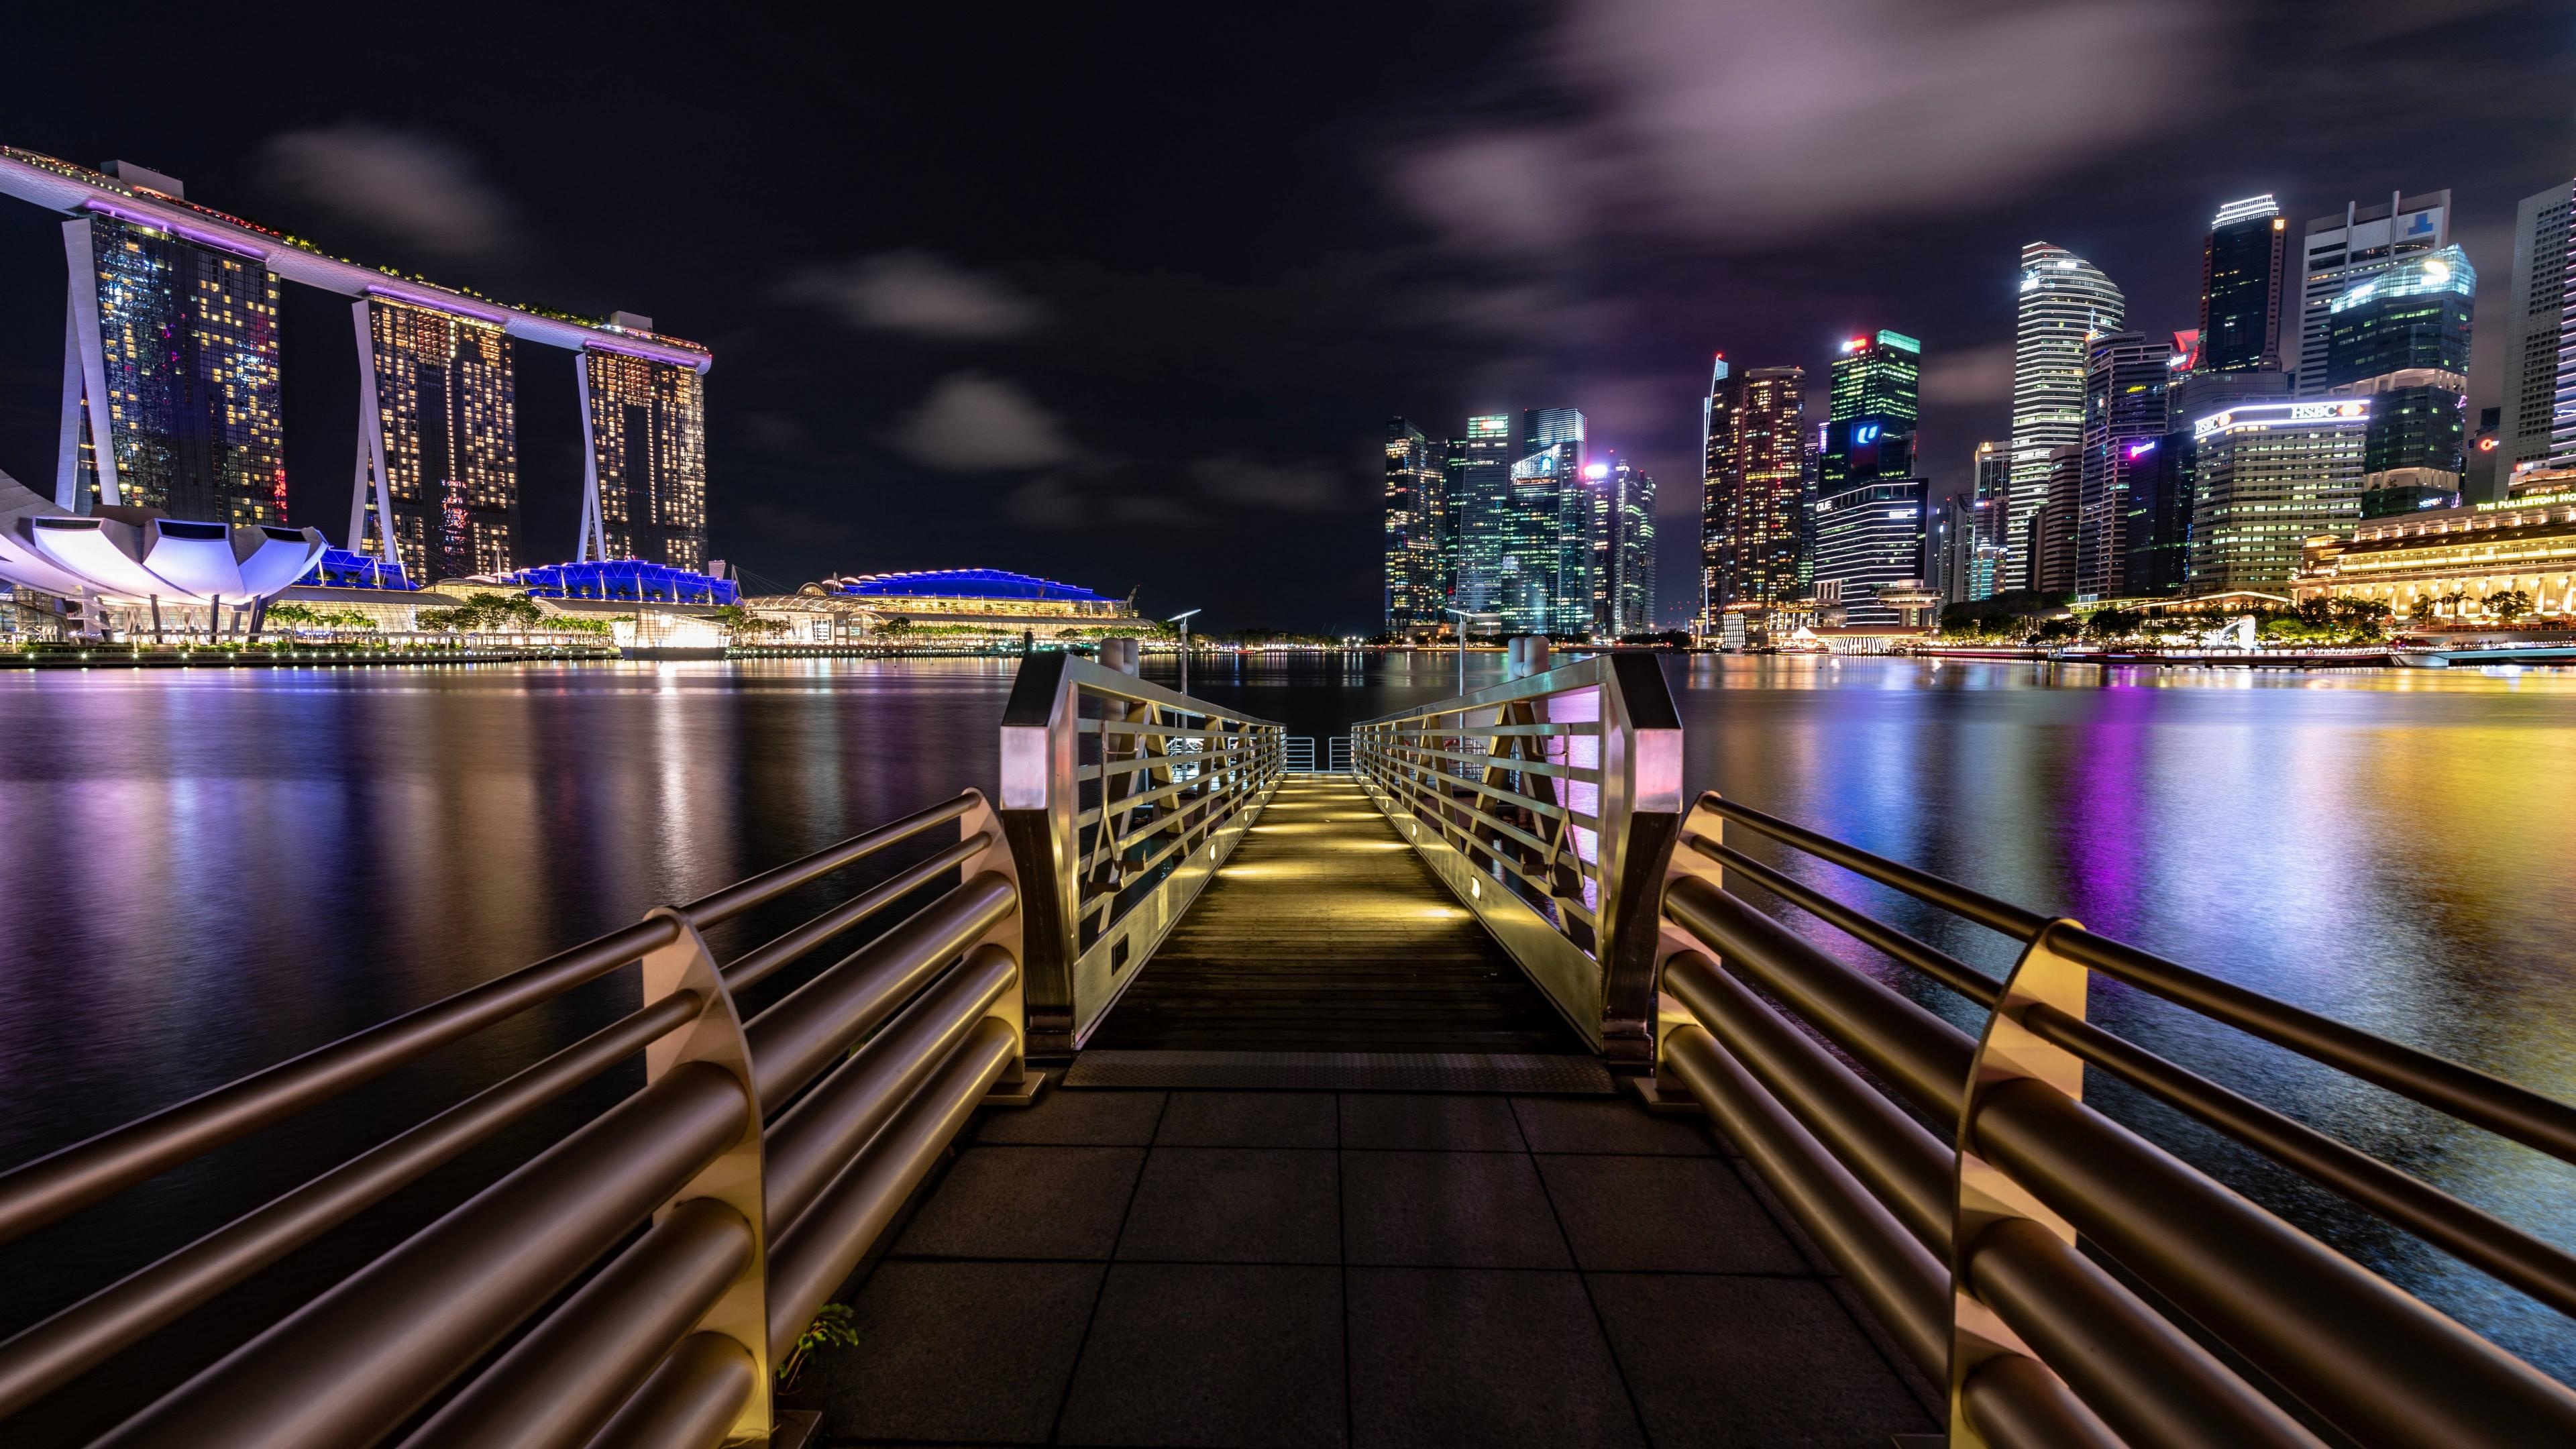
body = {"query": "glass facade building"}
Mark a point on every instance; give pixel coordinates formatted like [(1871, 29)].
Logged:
[(2534, 352), (2402, 339), (1752, 511), (1868, 537), (2124, 425), (1417, 589), (2341, 251), (174, 365), (1564, 520), (2065, 302), (1630, 493), (1479, 469), (439, 442), (2266, 477), (647, 430), (2241, 271)]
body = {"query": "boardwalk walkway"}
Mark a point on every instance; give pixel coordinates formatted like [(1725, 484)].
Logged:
[(1326, 933)]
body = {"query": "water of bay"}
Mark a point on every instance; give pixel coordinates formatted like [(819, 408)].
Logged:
[(208, 872)]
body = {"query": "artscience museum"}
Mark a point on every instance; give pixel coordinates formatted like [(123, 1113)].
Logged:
[(136, 570)]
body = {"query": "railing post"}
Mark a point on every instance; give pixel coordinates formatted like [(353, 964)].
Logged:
[(1671, 940), (2007, 1051), (734, 1178), (1040, 799), (1639, 809)]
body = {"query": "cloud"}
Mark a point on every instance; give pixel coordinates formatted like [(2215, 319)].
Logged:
[(406, 184), (1971, 375), (913, 291), (973, 422), (1286, 487), (1746, 121)]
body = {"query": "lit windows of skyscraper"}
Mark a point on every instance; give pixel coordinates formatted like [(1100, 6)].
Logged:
[(2124, 423), (1630, 493), (2532, 347), (438, 442), (646, 426), (1869, 431), (2240, 286), (1991, 571), (2065, 302), (174, 347), (1756, 481), (1870, 536), (1564, 539), (1480, 494), (2402, 339), (2268, 476), (1416, 594), (2338, 252)]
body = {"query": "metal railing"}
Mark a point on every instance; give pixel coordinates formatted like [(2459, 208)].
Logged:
[(1120, 799), (2196, 1317), (1547, 803), (1299, 757), (765, 1154)]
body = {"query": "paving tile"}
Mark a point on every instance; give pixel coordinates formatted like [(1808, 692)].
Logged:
[(926, 1364), (1668, 1214), (1248, 1119), (1076, 1119), (1427, 1122), (1596, 1124), (1469, 1356), (1769, 1362), (1235, 1205), (1199, 1354), (1447, 1209), (1026, 1202)]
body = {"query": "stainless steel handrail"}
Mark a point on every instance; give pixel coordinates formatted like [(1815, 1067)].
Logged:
[(2025, 1329), (1547, 804), (667, 1340)]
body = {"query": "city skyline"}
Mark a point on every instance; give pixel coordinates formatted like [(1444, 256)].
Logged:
[(1067, 385)]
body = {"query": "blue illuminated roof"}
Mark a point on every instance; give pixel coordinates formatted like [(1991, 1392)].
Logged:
[(338, 568), (966, 584), (624, 578)]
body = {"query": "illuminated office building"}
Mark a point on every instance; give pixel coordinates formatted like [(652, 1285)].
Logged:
[(2065, 302), (438, 442), (1479, 469), (1531, 591), (1756, 473), (2402, 339), (2053, 528), (1870, 536), (1416, 593), (2341, 251), (2533, 352), (646, 483), (2241, 269), (1630, 495), (172, 359), (1872, 412), (2124, 425), (1990, 572), (1561, 528), (2266, 477)]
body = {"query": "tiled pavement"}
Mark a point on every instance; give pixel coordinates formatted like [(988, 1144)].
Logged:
[(1304, 1268)]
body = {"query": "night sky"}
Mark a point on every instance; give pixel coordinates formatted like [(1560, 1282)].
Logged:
[(1125, 296)]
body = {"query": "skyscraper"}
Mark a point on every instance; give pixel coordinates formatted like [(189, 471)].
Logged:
[(2268, 476), (2534, 312), (1575, 533), (1416, 598), (1991, 496), (2341, 251), (2124, 422), (170, 398), (2065, 301), (2402, 339), (1631, 495), (1871, 412), (2158, 538), (1534, 593), (1756, 479), (1716, 445), (2053, 529), (1870, 535), (1480, 492), (438, 442), (2240, 286), (646, 484)]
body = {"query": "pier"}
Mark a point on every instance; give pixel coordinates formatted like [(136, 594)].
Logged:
[(1176, 1091)]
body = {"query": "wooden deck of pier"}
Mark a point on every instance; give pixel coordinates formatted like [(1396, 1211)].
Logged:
[(1325, 933)]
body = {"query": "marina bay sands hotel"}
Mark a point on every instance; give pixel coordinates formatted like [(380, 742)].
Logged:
[(171, 402)]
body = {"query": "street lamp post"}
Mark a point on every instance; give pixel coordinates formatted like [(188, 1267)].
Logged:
[(1465, 617), (1183, 619)]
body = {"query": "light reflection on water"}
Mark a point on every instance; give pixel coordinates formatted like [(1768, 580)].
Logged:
[(208, 872)]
